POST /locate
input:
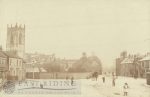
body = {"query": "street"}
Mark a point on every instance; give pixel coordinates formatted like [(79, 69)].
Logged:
[(92, 88), (137, 87)]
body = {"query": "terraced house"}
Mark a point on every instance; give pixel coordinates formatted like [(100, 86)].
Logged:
[(133, 65), (3, 67), (15, 66)]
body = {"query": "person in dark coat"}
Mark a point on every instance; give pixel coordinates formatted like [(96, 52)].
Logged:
[(103, 78), (72, 80), (113, 82)]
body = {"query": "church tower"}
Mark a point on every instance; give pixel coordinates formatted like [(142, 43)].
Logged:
[(16, 39)]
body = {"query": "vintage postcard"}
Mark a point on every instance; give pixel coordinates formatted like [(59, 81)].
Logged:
[(75, 48)]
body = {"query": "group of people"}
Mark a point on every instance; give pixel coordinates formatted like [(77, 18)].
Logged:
[(113, 80), (125, 87)]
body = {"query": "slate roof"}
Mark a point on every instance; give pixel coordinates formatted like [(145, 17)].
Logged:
[(146, 58), (127, 61)]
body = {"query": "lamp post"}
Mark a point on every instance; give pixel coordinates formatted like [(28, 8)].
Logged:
[(33, 63), (66, 70)]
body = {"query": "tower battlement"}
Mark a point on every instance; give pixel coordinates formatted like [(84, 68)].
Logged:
[(16, 26)]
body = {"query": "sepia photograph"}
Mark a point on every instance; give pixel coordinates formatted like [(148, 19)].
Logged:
[(75, 48)]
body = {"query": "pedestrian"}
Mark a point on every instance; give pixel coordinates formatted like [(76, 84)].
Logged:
[(72, 80), (125, 89), (103, 78), (66, 77), (113, 82), (41, 85)]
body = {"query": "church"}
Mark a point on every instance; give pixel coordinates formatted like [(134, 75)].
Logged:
[(16, 39), (15, 51)]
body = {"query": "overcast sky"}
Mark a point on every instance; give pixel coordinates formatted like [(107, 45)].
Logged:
[(70, 27)]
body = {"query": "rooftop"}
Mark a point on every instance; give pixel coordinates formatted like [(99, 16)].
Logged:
[(127, 61), (146, 58), (11, 54)]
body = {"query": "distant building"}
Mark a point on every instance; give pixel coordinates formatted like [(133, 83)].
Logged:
[(145, 63), (87, 64), (127, 66), (16, 40), (123, 55), (67, 64), (132, 65), (39, 58)]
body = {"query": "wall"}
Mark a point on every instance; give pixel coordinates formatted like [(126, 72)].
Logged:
[(63, 75)]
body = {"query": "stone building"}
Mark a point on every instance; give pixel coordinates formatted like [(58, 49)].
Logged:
[(127, 66), (3, 67), (122, 56), (132, 65), (145, 64), (16, 39), (15, 67)]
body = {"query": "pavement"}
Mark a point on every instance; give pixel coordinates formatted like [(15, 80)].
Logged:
[(92, 88)]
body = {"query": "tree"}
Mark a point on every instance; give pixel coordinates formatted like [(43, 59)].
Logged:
[(87, 64)]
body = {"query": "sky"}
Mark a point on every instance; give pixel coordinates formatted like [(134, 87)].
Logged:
[(70, 27)]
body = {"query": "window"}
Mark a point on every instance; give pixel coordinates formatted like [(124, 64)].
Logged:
[(20, 63), (0, 61), (14, 72), (1, 75), (20, 39), (149, 64), (142, 64), (17, 62), (4, 61), (10, 62)]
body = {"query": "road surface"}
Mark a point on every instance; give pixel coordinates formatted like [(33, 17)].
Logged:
[(92, 88)]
